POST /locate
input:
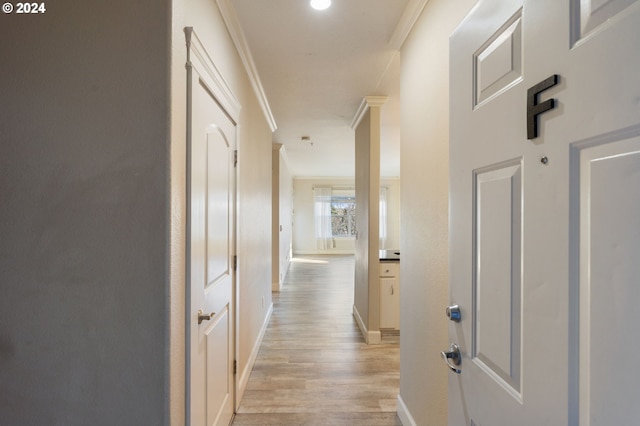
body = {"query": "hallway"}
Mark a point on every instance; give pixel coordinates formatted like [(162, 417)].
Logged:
[(313, 367)]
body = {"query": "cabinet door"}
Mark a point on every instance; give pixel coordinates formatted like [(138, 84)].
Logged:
[(390, 303)]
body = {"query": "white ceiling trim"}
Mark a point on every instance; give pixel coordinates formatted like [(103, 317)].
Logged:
[(406, 22), (368, 101), (285, 158), (240, 41), (386, 68)]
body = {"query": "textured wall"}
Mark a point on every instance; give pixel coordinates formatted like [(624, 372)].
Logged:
[(83, 214), (92, 213)]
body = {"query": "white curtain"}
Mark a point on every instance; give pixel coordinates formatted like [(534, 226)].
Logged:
[(383, 217), (322, 214)]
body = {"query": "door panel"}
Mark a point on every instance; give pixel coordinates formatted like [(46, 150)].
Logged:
[(497, 292), (211, 247), (591, 14), (219, 190), (498, 62), (219, 394), (609, 290), (545, 240)]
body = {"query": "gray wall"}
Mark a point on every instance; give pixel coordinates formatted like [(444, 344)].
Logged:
[(367, 286), (83, 214), (363, 170)]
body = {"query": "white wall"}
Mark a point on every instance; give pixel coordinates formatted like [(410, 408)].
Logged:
[(303, 229), (424, 243), (282, 208), (393, 211), (286, 216), (254, 180)]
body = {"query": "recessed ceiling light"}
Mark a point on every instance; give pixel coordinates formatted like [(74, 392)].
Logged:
[(320, 4)]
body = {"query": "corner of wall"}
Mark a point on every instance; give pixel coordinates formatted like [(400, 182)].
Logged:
[(371, 337), (403, 413)]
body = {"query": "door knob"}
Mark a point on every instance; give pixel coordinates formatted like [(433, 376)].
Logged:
[(202, 316), (453, 313), (452, 358)]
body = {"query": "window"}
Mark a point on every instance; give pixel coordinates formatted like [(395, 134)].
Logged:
[(335, 215), (343, 213)]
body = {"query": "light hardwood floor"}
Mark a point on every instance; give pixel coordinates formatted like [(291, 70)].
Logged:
[(313, 367)]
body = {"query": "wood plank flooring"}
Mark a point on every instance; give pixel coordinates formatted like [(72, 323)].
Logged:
[(313, 367)]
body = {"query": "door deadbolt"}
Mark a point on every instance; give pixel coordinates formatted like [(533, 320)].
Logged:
[(453, 313)]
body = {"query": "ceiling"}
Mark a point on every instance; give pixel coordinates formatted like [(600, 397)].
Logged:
[(316, 67)]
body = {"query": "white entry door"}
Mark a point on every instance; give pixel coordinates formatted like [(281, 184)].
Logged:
[(545, 214), (211, 230)]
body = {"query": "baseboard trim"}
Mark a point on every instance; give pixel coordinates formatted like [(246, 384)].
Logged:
[(321, 252), (241, 384), (277, 286), (374, 338), (370, 337), (403, 413)]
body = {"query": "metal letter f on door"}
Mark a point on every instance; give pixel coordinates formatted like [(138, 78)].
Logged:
[(534, 109)]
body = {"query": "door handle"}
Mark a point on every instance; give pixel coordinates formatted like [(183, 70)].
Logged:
[(452, 358), (202, 316)]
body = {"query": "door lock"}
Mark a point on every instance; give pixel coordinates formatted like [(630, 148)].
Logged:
[(453, 313), (452, 358)]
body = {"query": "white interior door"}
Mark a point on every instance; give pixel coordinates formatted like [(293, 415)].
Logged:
[(545, 231), (211, 172)]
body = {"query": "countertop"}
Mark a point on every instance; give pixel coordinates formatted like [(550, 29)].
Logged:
[(390, 255)]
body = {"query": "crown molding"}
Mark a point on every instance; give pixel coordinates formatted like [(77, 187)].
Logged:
[(367, 102), (239, 40), (405, 24), (198, 58)]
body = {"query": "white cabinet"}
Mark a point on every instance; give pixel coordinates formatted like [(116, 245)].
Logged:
[(390, 295)]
